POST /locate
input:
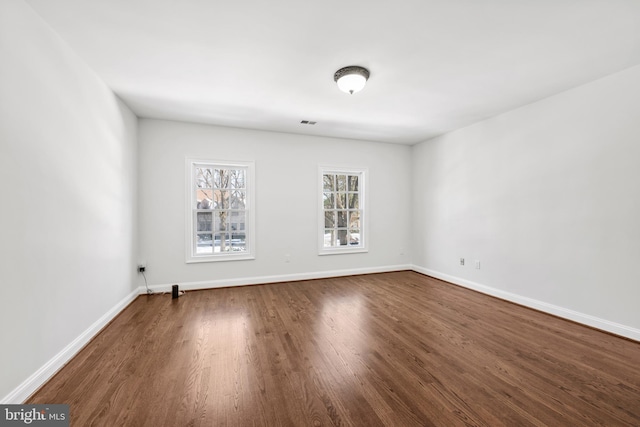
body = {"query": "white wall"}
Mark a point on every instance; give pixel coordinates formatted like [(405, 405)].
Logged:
[(547, 197), (68, 186), (286, 203)]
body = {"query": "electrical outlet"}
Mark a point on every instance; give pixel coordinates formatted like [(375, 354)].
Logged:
[(287, 258), (462, 262), (141, 268), (478, 264)]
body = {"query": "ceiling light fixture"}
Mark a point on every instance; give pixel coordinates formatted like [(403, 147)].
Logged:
[(351, 79)]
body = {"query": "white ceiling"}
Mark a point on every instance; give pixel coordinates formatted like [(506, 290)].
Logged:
[(436, 65)]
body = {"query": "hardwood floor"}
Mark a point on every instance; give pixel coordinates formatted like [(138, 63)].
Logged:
[(392, 349)]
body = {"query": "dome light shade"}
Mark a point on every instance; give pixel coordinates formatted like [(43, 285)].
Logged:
[(351, 79)]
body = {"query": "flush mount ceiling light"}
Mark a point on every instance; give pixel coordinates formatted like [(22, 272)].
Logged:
[(351, 79)]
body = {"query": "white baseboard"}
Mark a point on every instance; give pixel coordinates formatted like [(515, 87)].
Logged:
[(42, 375), (258, 280), (565, 313)]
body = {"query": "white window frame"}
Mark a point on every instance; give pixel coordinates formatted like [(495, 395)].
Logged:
[(363, 203), (190, 212)]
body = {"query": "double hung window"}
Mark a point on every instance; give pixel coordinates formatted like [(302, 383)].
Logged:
[(220, 220), (342, 217)]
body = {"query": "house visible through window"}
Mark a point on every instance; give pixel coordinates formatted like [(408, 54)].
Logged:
[(220, 225), (342, 217)]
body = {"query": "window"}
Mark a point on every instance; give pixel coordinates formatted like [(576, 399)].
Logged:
[(342, 216), (220, 220)]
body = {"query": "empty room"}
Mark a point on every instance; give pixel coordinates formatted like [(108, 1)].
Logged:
[(342, 213)]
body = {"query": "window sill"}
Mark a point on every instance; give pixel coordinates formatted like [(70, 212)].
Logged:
[(341, 251), (220, 258)]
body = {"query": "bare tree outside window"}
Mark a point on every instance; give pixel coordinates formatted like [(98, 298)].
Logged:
[(342, 210), (220, 209)]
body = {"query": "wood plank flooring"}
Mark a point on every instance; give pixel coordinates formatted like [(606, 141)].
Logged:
[(392, 349)]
